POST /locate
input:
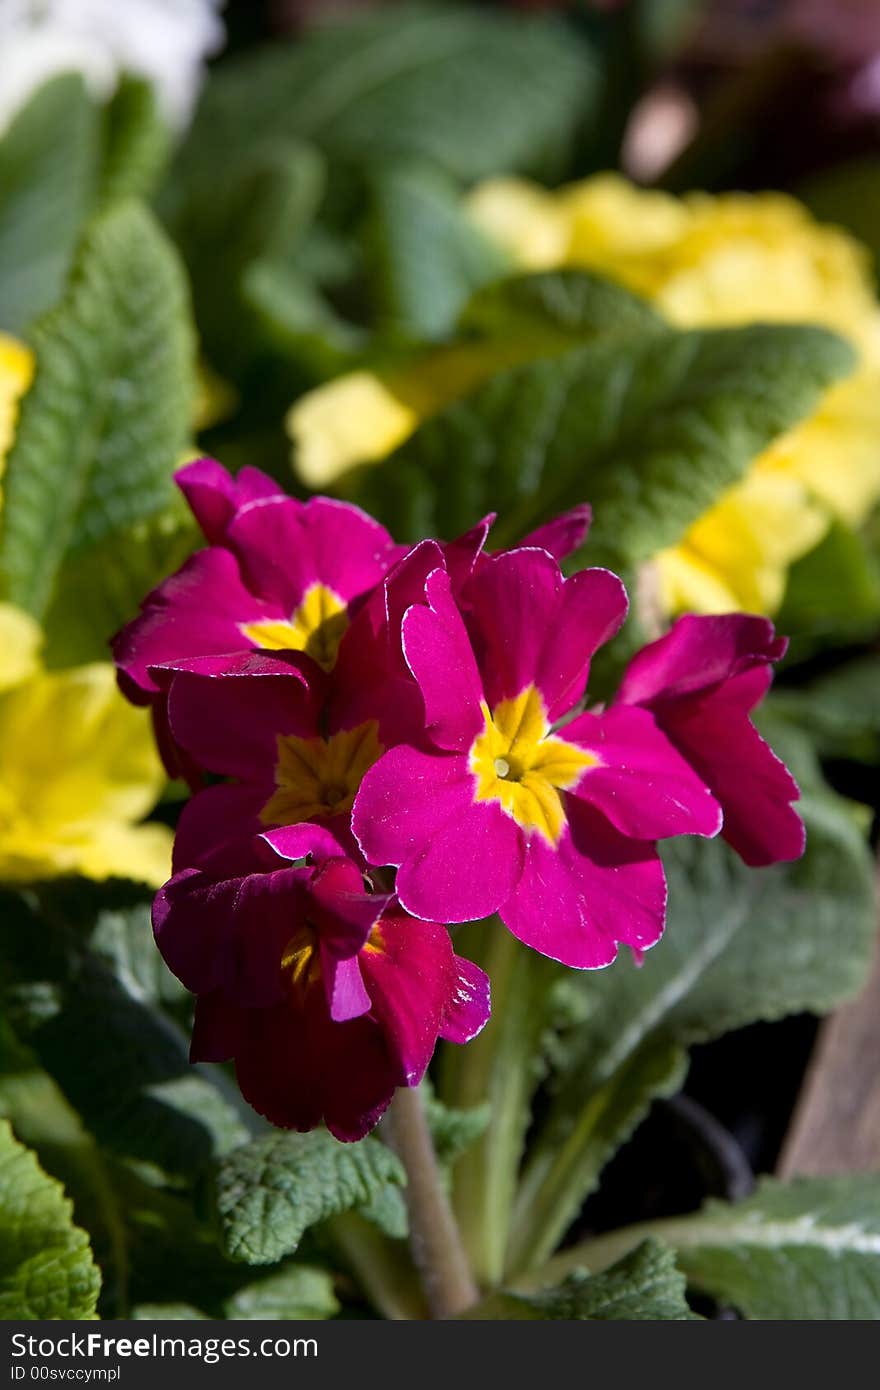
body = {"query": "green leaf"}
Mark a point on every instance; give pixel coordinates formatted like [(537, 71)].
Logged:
[(807, 1250), (649, 429), (426, 257), (294, 1292), (558, 307), (107, 419), (644, 1286), (834, 589), (137, 142), (41, 1118), (48, 171), (840, 710), (558, 1180), (270, 1191), (467, 91), (740, 945), (100, 588), (257, 213), (453, 1131), (298, 322), (46, 1267), (121, 1062)]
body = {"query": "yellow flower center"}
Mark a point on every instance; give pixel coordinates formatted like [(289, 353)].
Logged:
[(320, 777), (521, 766), (316, 628), (300, 961)]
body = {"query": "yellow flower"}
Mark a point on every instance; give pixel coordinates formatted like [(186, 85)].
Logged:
[(16, 375), (722, 261), (78, 770)]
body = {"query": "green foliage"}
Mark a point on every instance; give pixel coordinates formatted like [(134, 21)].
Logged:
[(807, 1250), (121, 1063), (269, 1192), (426, 258), (557, 308), (839, 710), (739, 946), (834, 590), (558, 1180), (101, 586), (644, 1286), (137, 142), (470, 92), (650, 428), (49, 160), (46, 1267), (107, 418)]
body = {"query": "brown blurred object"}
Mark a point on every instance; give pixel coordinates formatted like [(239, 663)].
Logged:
[(836, 1123)]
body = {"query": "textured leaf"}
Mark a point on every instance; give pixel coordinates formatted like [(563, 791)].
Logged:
[(270, 1191), (807, 1250), (649, 429), (46, 1267), (294, 1292), (121, 1063), (41, 1118), (106, 421), (470, 92), (454, 1131), (48, 171), (426, 256), (565, 305), (100, 587), (643, 1286)]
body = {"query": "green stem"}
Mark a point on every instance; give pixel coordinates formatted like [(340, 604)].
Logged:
[(498, 1067), (435, 1239), (381, 1266)]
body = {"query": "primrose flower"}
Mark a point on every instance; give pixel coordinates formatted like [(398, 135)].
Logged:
[(503, 808), (277, 574), (78, 770), (327, 996), (700, 681)]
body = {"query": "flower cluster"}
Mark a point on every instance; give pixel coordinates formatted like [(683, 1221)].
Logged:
[(345, 707)]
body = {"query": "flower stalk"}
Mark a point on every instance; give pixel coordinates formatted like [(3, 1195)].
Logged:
[(435, 1239)]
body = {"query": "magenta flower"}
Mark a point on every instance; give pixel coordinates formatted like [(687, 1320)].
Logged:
[(498, 808), (278, 574), (701, 681), (327, 996)]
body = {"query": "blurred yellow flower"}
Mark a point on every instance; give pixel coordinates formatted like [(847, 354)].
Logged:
[(16, 374), (722, 261), (78, 770)]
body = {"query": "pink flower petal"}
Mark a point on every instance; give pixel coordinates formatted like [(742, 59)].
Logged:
[(409, 976), (695, 654), (644, 787), (576, 901), (531, 627), (228, 712), (198, 611), (468, 1006), (439, 654), (457, 859), (564, 534), (214, 495)]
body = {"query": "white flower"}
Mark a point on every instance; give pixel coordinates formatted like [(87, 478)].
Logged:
[(165, 41)]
